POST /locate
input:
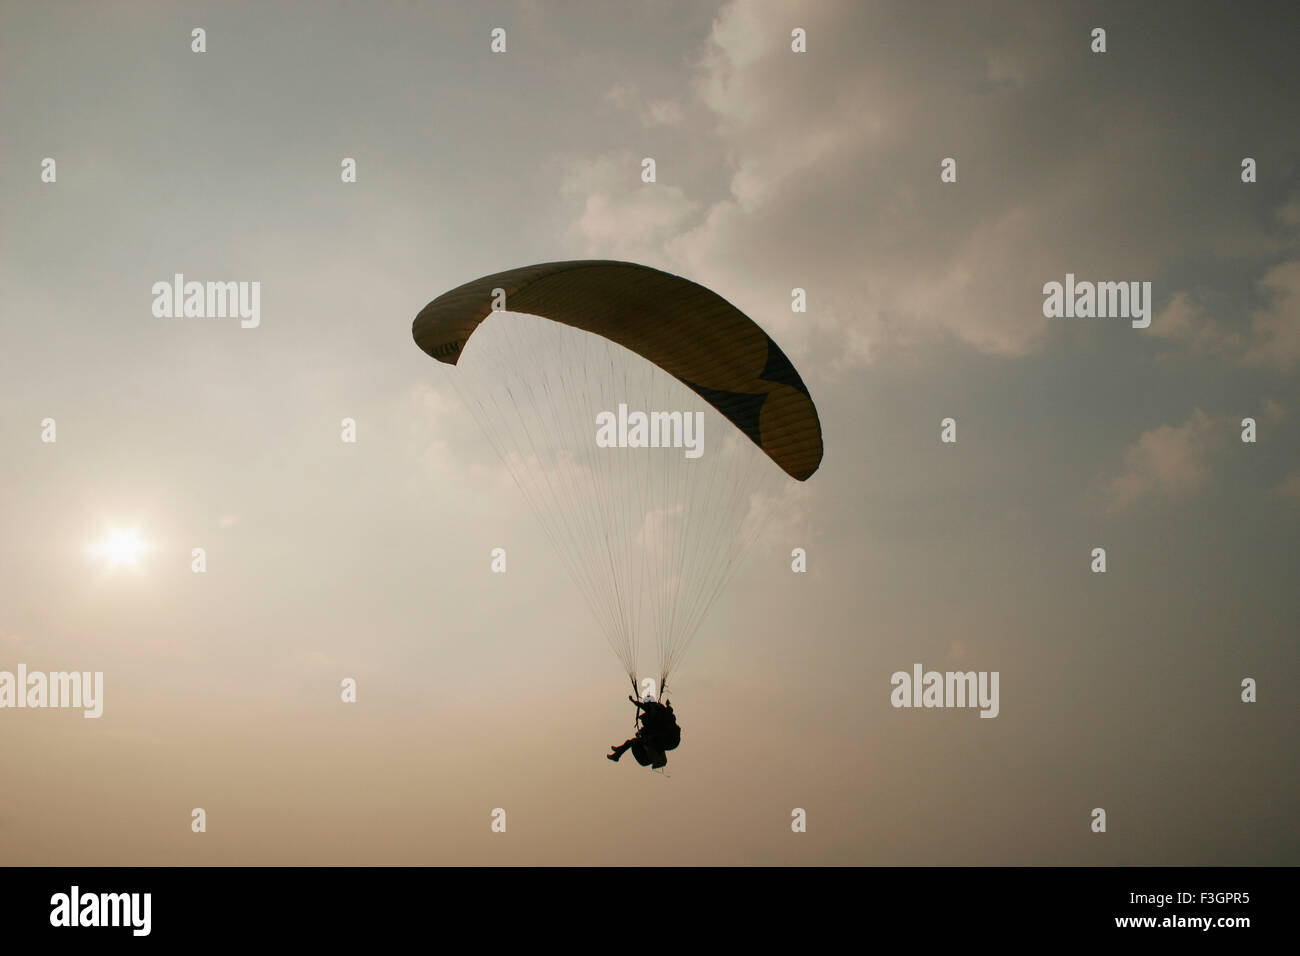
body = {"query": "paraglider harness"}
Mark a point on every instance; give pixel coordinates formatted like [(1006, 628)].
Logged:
[(635, 697), (672, 738)]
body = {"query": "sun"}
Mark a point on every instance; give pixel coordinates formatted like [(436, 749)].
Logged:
[(121, 547)]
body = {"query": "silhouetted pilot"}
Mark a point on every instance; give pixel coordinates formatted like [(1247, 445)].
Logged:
[(658, 732)]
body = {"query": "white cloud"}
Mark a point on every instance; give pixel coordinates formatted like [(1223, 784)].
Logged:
[(1172, 460), (1276, 328), (621, 217), (441, 438), (1186, 321), (662, 113), (1274, 338), (649, 113), (825, 191)]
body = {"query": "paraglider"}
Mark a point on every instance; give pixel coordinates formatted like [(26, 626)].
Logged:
[(657, 733), (651, 425)]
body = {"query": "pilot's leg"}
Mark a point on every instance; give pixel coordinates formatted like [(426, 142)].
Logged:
[(619, 748)]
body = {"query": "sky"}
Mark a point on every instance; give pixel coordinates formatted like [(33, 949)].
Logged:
[(775, 170)]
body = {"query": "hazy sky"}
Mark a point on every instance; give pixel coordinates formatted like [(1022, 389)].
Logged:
[(776, 170)]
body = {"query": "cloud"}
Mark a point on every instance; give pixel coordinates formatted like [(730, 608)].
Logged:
[(1289, 212), (1273, 339), (824, 182), (1171, 461), (1186, 321), (1274, 413), (1276, 328), (660, 529), (832, 158), (622, 217), (825, 177), (1290, 487), (437, 426), (662, 112)]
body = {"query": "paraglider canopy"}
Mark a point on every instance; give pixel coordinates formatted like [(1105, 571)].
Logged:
[(690, 332), (545, 353)]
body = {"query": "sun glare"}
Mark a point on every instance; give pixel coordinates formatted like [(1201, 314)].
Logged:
[(121, 547)]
